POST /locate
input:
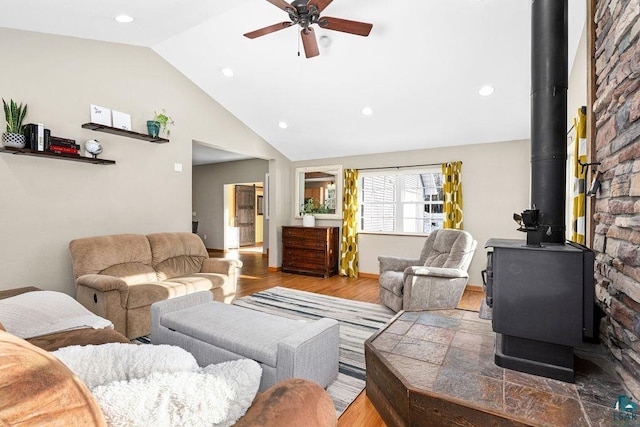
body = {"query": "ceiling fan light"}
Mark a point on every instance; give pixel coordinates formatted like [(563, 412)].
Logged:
[(283, 125), (486, 90), (367, 111), (324, 41), (124, 19), (227, 72)]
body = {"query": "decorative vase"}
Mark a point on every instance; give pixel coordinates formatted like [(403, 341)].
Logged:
[(153, 128), (16, 140), (308, 220)]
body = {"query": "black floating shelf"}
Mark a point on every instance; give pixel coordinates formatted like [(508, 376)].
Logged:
[(122, 132), (61, 156)]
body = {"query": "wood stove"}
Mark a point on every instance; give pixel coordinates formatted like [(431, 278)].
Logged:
[(542, 290), (542, 305)]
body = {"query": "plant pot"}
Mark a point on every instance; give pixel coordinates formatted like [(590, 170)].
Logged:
[(16, 140), (308, 221), (153, 128)]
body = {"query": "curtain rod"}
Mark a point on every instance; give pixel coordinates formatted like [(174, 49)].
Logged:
[(402, 167)]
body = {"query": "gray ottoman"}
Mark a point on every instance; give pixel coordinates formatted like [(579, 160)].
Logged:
[(215, 332)]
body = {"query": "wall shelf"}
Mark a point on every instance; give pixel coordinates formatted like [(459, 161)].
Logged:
[(61, 156), (122, 132)]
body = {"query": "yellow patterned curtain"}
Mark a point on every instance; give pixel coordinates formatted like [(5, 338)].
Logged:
[(349, 246), (578, 224), (452, 188)]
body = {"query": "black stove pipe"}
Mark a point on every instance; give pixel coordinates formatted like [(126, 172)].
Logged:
[(549, 72)]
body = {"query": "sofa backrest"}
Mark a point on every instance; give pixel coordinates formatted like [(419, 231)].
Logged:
[(176, 254), (127, 256), (448, 248)]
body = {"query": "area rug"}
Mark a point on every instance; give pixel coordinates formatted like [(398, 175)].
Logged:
[(358, 321)]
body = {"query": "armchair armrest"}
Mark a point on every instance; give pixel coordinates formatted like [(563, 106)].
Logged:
[(220, 265), (393, 263), (452, 273), (102, 282), (105, 296)]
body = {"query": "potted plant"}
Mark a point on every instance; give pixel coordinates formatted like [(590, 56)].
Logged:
[(160, 122), (309, 209), (14, 115)]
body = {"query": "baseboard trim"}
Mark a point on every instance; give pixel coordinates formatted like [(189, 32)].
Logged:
[(273, 269), (369, 275), (474, 288)]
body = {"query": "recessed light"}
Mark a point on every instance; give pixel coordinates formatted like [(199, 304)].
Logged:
[(227, 72), (124, 19), (283, 125), (366, 111), (486, 90)]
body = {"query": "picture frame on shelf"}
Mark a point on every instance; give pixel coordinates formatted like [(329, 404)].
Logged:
[(121, 120), (100, 115)]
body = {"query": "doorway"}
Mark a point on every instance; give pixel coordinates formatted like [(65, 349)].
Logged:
[(245, 214), (245, 221)]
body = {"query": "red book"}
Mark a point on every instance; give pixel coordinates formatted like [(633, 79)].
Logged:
[(63, 149)]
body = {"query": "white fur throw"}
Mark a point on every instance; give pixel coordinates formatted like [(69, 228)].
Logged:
[(38, 313), (217, 395), (162, 385), (101, 364)]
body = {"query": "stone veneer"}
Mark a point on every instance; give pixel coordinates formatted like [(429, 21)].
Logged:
[(617, 205)]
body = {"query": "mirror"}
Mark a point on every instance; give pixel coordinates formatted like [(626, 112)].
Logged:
[(323, 184)]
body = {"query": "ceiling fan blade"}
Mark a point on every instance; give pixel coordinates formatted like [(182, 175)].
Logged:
[(268, 30), (346, 26), (281, 4), (320, 4), (309, 42)]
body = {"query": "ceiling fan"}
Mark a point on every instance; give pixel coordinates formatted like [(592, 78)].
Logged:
[(305, 13)]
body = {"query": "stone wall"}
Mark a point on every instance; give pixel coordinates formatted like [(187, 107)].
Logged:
[(617, 205)]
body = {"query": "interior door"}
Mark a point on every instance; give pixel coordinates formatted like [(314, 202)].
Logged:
[(246, 214)]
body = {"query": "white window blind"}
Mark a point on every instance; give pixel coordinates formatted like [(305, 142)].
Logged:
[(401, 201)]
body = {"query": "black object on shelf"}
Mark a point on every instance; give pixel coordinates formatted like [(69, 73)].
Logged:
[(122, 132), (61, 156)]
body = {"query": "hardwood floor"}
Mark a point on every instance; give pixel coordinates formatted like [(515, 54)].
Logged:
[(254, 277)]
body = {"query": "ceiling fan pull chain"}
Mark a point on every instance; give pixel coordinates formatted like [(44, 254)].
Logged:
[(298, 38)]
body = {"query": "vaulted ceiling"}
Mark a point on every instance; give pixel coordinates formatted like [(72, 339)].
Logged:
[(419, 70)]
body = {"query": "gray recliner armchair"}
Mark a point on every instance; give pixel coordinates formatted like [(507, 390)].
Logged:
[(436, 280)]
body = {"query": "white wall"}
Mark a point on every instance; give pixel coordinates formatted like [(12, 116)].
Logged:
[(495, 184), (46, 203)]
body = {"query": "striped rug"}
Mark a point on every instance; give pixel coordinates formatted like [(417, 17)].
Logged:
[(358, 321)]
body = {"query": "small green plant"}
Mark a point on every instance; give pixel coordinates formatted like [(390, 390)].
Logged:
[(164, 121), (14, 114), (312, 206)]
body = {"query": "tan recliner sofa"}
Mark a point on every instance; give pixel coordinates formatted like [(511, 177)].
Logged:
[(118, 277)]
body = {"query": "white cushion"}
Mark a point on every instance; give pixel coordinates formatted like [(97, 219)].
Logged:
[(38, 313)]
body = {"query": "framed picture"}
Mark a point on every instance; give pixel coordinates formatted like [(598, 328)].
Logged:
[(121, 120), (260, 205), (100, 115), (266, 196)]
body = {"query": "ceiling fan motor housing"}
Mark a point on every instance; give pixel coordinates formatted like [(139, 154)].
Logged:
[(302, 14)]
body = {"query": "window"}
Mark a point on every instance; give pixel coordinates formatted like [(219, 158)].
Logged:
[(401, 201)]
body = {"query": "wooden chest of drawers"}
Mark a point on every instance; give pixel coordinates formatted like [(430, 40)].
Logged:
[(310, 250)]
